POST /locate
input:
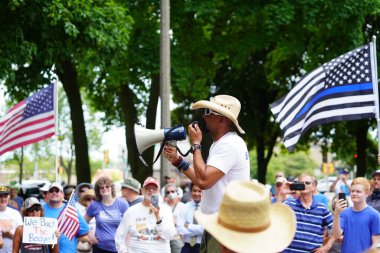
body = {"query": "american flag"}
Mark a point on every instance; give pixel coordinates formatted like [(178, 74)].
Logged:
[(30, 121), (339, 90), (68, 222)]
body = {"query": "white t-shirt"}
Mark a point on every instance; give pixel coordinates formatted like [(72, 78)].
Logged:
[(10, 219), (138, 231), (230, 155)]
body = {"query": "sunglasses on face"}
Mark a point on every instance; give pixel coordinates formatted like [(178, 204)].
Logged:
[(35, 208), (305, 182), (209, 111), (168, 192), (104, 187), (82, 191), (54, 190)]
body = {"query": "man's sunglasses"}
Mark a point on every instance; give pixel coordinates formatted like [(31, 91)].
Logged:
[(209, 111), (54, 190)]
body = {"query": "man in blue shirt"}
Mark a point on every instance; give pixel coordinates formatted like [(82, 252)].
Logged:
[(53, 208), (312, 219)]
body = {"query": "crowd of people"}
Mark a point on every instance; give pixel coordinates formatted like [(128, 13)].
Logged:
[(224, 211), (108, 223)]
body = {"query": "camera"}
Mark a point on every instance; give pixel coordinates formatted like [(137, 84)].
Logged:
[(297, 187)]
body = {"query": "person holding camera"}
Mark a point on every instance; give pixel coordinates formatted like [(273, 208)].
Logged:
[(360, 223), (341, 183), (312, 219), (147, 226), (228, 158), (374, 199)]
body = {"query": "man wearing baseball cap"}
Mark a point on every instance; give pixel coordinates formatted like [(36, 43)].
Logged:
[(228, 158), (53, 207), (150, 227), (374, 199), (10, 219), (130, 191)]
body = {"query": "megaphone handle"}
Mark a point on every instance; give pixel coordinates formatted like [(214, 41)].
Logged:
[(160, 151), (186, 154)]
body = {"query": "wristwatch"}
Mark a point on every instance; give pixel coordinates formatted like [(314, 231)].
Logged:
[(195, 147)]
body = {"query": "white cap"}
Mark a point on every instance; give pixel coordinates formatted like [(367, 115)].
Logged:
[(56, 185), (45, 188)]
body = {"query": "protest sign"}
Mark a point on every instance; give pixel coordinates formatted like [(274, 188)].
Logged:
[(39, 230)]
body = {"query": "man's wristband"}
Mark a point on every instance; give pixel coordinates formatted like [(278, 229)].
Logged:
[(195, 147), (176, 163), (159, 222)]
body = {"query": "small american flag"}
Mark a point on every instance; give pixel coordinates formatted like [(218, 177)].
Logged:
[(68, 222), (30, 121)]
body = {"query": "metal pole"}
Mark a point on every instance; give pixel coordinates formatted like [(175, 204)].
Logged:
[(165, 75)]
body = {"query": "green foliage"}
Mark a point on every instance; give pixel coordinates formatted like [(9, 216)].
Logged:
[(291, 164)]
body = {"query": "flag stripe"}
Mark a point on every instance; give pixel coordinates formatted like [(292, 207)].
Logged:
[(341, 89), (27, 127), (349, 101), (298, 90), (351, 114), (335, 90), (30, 121), (68, 222), (29, 141), (14, 110)]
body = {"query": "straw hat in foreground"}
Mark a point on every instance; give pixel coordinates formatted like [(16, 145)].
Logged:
[(248, 222)]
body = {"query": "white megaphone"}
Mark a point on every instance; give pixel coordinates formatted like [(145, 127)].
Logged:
[(147, 137)]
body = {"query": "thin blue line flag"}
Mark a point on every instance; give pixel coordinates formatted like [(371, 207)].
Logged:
[(339, 90)]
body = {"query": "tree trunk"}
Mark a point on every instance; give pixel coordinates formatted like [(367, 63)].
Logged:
[(126, 97), (261, 164), (68, 75), (151, 114), (361, 147)]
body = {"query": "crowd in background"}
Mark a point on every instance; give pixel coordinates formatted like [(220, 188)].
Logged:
[(131, 223), (107, 222)]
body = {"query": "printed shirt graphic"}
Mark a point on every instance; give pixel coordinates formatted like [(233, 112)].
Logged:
[(138, 231), (10, 219)]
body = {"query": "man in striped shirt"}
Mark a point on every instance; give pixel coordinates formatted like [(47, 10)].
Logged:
[(312, 219)]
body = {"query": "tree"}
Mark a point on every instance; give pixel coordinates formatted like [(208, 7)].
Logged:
[(56, 37), (258, 52)]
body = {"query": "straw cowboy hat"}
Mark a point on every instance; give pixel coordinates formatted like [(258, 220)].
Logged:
[(226, 105), (88, 193), (248, 222)]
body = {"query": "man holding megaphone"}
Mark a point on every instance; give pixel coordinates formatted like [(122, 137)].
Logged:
[(228, 156)]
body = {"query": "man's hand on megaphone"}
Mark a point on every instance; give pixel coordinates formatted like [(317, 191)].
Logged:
[(195, 133), (170, 153)]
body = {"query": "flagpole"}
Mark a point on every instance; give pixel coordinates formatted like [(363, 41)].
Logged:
[(375, 88), (57, 176)]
